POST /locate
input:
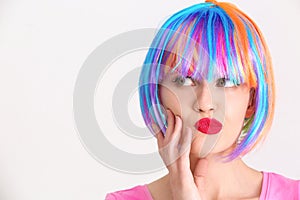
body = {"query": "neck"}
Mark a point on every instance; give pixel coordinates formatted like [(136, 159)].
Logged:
[(232, 180), (226, 180)]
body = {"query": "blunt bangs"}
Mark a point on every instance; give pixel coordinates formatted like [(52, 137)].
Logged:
[(211, 41)]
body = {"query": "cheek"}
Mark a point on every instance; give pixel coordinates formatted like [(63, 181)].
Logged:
[(234, 115), (169, 100), (176, 99), (235, 110)]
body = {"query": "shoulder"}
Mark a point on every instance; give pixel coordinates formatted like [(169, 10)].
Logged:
[(136, 193), (277, 186)]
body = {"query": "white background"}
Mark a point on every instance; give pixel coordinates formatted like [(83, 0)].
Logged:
[(43, 45)]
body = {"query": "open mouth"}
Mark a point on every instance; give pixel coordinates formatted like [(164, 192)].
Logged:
[(208, 126)]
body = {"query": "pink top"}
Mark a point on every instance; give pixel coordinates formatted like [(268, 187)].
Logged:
[(274, 187)]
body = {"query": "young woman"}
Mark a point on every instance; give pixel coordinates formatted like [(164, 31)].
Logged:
[(207, 94)]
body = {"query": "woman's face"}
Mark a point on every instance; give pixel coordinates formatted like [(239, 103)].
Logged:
[(215, 111)]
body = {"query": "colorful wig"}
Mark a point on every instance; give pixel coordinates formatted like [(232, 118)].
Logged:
[(210, 40)]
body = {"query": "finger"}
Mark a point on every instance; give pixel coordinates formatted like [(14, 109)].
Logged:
[(175, 137), (173, 141), (158, 134), (170, 121), (186, 141), (200, 173), (155, 129), (160, 139), (184, 150)]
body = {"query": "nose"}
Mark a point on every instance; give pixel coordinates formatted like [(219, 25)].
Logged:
[(203, 102)]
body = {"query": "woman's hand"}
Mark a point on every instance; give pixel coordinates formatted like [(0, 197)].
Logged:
[(174, 148)]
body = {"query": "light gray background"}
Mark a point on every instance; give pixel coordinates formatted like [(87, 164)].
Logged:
[(43, 45)]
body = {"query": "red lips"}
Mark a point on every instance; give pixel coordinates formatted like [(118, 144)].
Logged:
[(208, 126)]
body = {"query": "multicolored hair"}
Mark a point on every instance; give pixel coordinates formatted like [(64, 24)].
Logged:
[(209, 40)]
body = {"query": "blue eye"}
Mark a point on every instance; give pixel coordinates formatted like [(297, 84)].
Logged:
[(184, 81), (222, 82)]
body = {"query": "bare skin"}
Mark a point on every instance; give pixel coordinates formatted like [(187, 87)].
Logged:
[(194, 177), (207, 179), (160, 188)]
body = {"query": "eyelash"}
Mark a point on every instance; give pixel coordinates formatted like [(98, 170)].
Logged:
[(181, 81), (221, 82)]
